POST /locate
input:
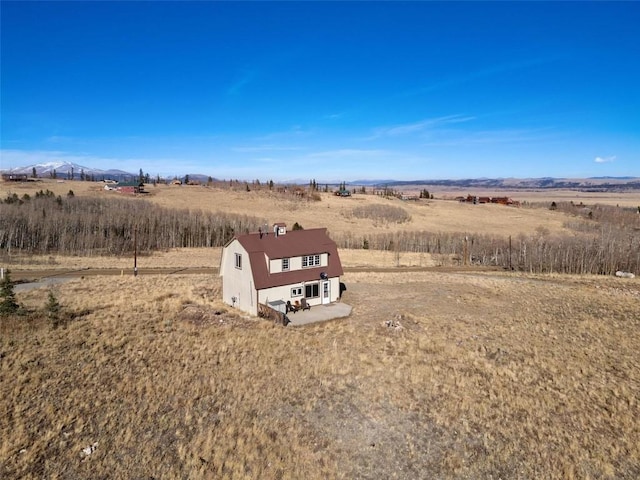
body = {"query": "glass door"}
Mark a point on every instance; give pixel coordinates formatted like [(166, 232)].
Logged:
[(326, 292)]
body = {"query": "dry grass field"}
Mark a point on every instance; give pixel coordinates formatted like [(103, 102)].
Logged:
[(439, 215), (436, 374)]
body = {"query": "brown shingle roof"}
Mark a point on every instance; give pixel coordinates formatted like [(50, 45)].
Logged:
[(294, 243)]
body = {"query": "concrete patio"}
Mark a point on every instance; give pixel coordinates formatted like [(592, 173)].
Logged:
[(319, 313)]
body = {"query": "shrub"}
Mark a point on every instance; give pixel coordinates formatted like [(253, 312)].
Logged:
[(52, 308), (8, 304), (382, 213)]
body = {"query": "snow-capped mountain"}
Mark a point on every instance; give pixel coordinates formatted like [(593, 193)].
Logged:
[(68, 170)]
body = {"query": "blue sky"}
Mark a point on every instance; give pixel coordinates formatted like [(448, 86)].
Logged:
[(330, 91)]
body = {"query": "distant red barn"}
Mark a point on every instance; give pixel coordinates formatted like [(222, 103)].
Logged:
[(130, 188)]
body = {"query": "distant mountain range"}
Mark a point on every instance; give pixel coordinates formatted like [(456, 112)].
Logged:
[(595, 184), (69, 170)]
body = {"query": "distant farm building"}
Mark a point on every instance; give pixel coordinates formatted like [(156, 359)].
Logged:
[(131, 188), (406, 197), (15, 177), (476, 200)]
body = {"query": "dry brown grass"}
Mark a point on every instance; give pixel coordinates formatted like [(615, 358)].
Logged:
[(205, 258), (624, 198), (335, 213), (173, 258), (479, 376), (434, 375)]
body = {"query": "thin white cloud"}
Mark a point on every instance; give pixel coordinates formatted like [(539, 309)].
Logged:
[(421, 126), (454, 138), (295, 132), (347, 154), (489, 71), (246, 78), (605, 159), (59, 139), (265, 148)]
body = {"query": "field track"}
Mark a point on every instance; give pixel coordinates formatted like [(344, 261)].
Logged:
[(32, 275)]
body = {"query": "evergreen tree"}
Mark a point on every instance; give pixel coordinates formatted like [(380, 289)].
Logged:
[(34, 174), (52, 308), (8, 304)]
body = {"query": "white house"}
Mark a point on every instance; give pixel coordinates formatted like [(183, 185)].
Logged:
[(279, 266)]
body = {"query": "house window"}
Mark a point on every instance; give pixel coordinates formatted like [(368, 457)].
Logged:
[(285, 264), (239, 261), (311, 290), (310, 261), (296, 292)]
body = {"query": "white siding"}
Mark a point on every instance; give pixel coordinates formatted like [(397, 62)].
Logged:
[(276, 293), (284, 293), (236, 282), (275, 266), (295, 263)]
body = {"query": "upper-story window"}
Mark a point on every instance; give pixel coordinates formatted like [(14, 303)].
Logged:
[(285, 264), (239, 261), (310, 261)]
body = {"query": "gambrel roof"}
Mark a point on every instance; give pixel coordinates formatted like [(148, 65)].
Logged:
[(295, 243)]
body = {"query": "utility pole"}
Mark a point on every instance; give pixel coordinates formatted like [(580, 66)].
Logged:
[(135, 251)]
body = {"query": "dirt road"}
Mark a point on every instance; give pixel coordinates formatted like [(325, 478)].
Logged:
[(37, 275)]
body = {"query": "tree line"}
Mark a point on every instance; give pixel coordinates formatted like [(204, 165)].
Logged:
[(74, 225), (605, 239), (604, 253)]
